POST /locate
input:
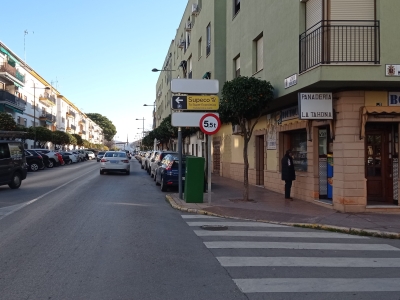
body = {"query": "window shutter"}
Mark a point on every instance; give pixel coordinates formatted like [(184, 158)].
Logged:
[(313, 12), (260, 54), (352, 10)]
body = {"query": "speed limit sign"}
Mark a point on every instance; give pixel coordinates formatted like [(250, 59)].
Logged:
[(210, 124)]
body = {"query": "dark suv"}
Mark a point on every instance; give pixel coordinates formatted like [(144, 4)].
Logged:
[(13, 167)]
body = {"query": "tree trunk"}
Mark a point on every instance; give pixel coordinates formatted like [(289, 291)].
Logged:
[(246, 170)]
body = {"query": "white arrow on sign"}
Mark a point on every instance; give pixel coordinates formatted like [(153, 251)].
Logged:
[(178, 100)]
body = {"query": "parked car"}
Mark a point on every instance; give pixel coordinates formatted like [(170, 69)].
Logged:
[(90, 154), (34, 160), (13, 167), (60, 158), (81, 154), (47, 162), (115, 161), (148, 161), (144, 160), (69, 157), (156, 161), (100, 155), (128, 154), (53, 157), (167, 172)]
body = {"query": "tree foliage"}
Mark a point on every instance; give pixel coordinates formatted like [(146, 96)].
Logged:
[(108, 127), (7, 122), (79, 140), (43, 135), (61, 138), (244, 101)]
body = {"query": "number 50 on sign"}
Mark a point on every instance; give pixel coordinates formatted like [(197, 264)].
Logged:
[(210, 124)]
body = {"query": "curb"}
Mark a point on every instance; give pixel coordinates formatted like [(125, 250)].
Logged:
[(332, 228)]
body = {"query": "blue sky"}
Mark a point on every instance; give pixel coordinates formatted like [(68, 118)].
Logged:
[(99, 54)]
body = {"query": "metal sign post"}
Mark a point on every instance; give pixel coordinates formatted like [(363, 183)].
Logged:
[(209, 169)]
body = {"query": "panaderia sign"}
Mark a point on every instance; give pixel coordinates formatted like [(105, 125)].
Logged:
[(315, 106)]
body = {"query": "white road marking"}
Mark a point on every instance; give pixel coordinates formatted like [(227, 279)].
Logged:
[(317, 285), (235, 224), (200, 217), (279, 234), (337, 262), (22, 205), (299, 246)]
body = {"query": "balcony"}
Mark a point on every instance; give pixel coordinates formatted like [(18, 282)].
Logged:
[(73, 127), (70, 114), (13, 102), (340, 42), (68, 129), (47, 99), (82, 122), (47, 118), (190, 75), (12, 73)]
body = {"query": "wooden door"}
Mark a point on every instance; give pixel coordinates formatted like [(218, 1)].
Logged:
[(260, 160), (376, 166)]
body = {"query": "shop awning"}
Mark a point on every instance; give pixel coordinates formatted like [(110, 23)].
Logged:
[(20, 111), (8, 54), (375, 110)]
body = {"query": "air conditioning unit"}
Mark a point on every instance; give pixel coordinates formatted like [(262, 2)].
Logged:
[(188, 26), (200, 135), (195, 9), (236, 130)]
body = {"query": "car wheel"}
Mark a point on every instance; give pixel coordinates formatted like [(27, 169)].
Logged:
[(34, 167), (156, 180), (101, 172), (42, 168), (163, 186), (151, 175), (128, 172), (69, 162), (154, 176), (50, 164), (15, 181), (142, 167)]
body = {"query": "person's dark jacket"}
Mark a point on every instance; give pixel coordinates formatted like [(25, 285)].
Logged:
[(288, 172)]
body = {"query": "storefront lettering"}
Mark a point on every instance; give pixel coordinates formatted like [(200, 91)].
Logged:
[(313, 96), (394, 99), (319, 114)]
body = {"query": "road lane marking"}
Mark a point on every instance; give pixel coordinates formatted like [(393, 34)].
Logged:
[(22, 205), (336, 262), (279, 234), (235, 224), (317, 285), (200, 217), (299, 246)]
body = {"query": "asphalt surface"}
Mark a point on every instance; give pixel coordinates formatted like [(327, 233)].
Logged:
[(102, 237), (75, 234)]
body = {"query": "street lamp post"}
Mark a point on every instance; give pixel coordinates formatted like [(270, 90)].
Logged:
[(34, 110)]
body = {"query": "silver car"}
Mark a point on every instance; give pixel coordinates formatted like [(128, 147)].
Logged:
[(115, 161)]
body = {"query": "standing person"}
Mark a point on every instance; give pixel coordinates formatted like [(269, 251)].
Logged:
[(288, 173)]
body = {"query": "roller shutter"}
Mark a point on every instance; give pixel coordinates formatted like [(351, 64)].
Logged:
[(313, 12), (352, 10)]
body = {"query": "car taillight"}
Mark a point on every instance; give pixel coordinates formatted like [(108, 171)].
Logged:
[(103, 160), (125, 161), (39, 156)]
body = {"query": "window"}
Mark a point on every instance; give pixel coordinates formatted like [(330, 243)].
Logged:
[(190, 67), (298, 145), (208, 46), (4, 151), (200, 54), (259, 54), (192, 149), (236, 7), (237, 66)]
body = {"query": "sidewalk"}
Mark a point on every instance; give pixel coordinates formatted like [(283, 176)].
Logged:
[(270, 206)]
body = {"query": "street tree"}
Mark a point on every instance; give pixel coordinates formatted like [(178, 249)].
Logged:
[(108, 127), (43, 135), (79, 140), (7, 122), (244, 101), (60, 139)]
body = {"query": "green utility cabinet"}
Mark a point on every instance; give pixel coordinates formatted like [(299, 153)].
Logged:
[(194, 179)]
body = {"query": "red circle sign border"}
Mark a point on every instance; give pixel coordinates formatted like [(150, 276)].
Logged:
[(210, 115)]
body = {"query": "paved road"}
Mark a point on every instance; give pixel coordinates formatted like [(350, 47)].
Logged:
[(102, 237), (74, 234), (269, 261)]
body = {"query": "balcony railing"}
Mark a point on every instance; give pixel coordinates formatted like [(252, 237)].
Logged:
[(48, 118), (7, 68), (340, 42), (71, 114), (83, 131), (73, 127), (82, 121), (47, 99), (11, 100)]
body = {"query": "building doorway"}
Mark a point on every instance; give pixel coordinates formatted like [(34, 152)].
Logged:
[(260, 160), (381, 162), (325, 164), (216, 154)]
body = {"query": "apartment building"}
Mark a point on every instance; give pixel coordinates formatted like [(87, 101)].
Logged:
[(33, 101), (197, 51), (344, 50)]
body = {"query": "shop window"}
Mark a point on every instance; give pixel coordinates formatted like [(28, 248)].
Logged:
[(298, 145)]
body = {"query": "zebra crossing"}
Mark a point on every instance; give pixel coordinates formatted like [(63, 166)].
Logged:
[(274, 261)]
